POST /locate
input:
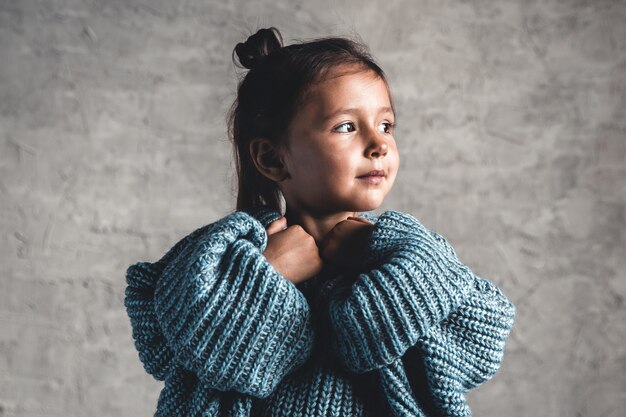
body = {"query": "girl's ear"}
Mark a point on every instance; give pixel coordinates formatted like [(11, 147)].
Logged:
[(267, 159)]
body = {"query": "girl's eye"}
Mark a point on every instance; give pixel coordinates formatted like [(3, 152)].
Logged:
[(348, 127), (341, 126), (389, 125)]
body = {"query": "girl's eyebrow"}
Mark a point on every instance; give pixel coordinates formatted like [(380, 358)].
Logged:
[(355, 110)]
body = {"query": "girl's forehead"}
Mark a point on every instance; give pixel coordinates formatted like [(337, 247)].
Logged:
[(350, 85)]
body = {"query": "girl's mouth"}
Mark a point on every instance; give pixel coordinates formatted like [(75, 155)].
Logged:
[(373, 177), (375, 173)]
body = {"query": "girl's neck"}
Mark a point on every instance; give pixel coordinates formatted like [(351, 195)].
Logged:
[(317, 225)]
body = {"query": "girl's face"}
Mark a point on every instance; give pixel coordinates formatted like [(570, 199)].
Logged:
[(341, 155)]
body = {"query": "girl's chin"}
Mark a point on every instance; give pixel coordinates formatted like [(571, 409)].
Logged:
[(369, 205), (330, 206)]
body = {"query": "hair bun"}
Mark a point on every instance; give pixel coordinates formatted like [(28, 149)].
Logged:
[(258, 46)]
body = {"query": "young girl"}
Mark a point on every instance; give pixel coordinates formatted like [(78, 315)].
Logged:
[(327, 310)]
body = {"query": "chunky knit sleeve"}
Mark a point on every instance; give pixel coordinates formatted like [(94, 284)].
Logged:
[(225, 313), (466, 348), (414, 282), (471, 340)]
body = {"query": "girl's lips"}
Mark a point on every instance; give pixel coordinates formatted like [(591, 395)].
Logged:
[(373, 177), (377, 173)]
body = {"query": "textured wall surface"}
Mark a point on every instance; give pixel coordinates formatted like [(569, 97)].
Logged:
[(512, 133)]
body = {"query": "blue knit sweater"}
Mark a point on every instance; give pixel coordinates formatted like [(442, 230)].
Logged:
[(407, 335)]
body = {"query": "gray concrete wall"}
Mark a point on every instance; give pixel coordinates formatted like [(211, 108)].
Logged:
[(512, 132)]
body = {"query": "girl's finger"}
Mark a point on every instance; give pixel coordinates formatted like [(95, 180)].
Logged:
[(359, 219), (277, 226)]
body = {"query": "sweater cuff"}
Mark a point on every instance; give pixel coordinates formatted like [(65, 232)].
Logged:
[(393, 232)]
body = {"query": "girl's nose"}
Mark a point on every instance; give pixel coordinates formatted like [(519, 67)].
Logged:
[(377, 148)]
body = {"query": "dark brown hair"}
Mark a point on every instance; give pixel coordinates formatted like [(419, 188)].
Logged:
[(269, 95)]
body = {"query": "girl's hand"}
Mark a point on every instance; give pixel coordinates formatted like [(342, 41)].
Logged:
[(345, 244), (292, 251)]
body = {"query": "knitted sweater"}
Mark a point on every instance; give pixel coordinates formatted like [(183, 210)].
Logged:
[(407, 335)]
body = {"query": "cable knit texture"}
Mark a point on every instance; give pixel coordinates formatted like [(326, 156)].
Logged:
[(409, 335)]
